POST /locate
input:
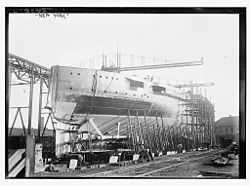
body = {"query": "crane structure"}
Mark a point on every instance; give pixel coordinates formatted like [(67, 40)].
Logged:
[(150, 67), (190, 85), (162, 64)]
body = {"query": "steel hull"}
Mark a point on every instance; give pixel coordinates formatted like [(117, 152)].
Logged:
[(71, 93)]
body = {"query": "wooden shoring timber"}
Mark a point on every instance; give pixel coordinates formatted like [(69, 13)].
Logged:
[(131, 130), (134, 127), (209, 124), (178, 135), (196, 133), (170, 144), (175, 134), (206, 123), (158, 140), (201, 122), (184, 137), (139, 131), (191, 137), (145, 131), (197, 138), (89, 137), (144, 134), (168, 138), (129, 137), (152, 136), (171, 132), (209, 130), (155, 141), (163, 135), (149, 134), (136, 136), (193, 127), (159, 134), (182, 133), (204, 133), (201, 131), (200, 136)]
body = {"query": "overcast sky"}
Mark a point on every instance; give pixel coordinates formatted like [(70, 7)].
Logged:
[(181, 37)]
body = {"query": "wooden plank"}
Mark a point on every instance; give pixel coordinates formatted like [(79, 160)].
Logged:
[(17, 169), (16, 157)]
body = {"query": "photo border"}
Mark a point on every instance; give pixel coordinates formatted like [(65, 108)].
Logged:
[(241, 11)]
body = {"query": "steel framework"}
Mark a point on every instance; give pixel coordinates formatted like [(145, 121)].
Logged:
[(29, 73)]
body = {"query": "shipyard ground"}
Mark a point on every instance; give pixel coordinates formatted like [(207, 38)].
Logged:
[(187, 165)]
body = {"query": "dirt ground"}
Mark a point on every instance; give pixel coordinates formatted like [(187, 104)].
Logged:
[(202, 168)]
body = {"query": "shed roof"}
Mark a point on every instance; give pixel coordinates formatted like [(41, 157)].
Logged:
[(228, 121)]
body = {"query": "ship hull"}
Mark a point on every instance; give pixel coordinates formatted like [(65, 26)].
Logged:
[(104, 93), (113, 106), (105, 104)]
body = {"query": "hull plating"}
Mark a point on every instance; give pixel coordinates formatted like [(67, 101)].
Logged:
[(88, 91)]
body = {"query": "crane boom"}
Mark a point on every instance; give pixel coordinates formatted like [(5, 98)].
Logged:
[(195, 85), (150, 67)]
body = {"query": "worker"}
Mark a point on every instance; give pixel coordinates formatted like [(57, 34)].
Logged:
[(179, 148)]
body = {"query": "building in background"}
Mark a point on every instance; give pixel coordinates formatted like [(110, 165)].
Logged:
[(227, 130)]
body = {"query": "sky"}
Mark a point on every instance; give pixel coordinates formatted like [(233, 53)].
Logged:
[(80, 39)]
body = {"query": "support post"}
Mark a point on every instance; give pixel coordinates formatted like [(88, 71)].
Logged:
[(156, 143), (118, 129), (164, 141), (131, 130), (91, 121), (40, 109), (30, 103), (147, 132), (140, 133), (30, 156), (30, 141), (159, 134)]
